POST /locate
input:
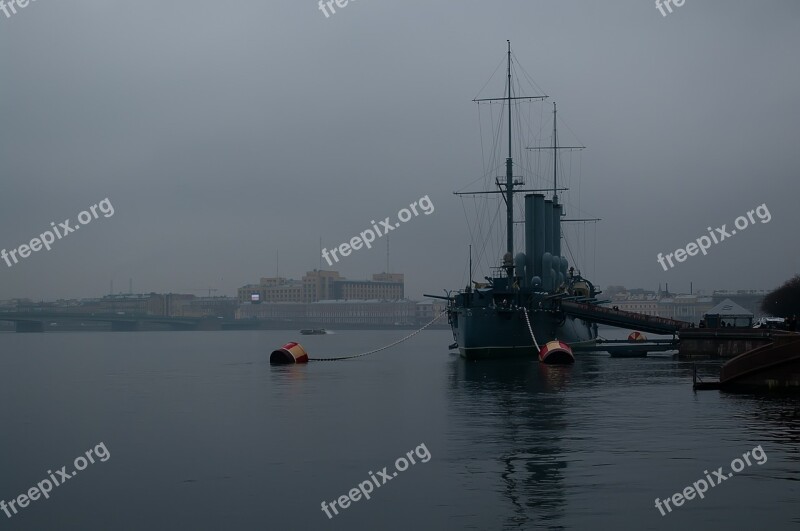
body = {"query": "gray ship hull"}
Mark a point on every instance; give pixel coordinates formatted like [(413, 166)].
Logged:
[(492, 333)]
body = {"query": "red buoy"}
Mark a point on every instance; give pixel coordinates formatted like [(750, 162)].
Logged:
[(637, 336), (289, 353), (556, 353)]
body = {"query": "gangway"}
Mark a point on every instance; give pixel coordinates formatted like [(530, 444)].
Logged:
[(622, 319)]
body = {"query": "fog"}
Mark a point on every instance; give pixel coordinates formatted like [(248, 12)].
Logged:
[(231, 138)]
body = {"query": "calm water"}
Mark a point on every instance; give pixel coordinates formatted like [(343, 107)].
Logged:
[(204, 434)]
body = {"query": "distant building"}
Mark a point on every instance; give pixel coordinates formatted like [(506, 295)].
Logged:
[(368, 289), (427, 310), (335, 312), (748, 299), (690, 308), (321, 285), (199, 307), (273, 311), (366, 312), (638, 301), (133, 304), (151, 304), (728, 314)]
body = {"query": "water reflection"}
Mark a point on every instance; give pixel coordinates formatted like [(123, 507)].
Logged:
[(520, 406), (772, 419)]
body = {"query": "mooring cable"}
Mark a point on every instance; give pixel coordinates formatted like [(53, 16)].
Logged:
[(525, 313), (382, 348)]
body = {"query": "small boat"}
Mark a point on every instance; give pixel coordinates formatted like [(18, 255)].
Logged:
[(313, 331)]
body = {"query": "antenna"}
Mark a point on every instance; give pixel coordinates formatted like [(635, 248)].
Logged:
[(278, 263), (387, 254)]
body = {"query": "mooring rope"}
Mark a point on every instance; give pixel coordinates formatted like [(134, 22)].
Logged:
[(382, 348), (525, 313)]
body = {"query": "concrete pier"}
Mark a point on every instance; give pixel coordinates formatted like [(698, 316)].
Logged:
[(723, 343)]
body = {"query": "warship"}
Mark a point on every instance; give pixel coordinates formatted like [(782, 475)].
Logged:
[(521, 305)]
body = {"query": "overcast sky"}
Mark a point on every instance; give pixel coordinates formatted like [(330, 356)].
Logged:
[(223, 133)]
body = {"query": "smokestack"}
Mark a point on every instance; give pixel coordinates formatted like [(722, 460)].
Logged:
[(530, 267), (548, 226), (557, 228), (538, 234)]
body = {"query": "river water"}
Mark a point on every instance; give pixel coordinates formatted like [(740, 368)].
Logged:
[(202, 433)]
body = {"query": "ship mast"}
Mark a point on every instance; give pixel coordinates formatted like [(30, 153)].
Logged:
[(555, 147), (509, 171), (555, 156), (508, 193)]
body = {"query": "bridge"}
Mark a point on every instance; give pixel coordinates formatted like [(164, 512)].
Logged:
[(36, 321)]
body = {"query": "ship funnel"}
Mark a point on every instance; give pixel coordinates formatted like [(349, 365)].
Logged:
[(549, 273), (520, 269), (538, 224), (557, 209), (562, 264), (530, 267), (538, 234), (548, 226)]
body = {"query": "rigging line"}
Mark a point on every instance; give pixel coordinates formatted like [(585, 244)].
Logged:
[(530, 79), (480, 245), (466, 217), (483, 214), (483, 176), (564, 124), (495, 135), (490, 240), (580, 172), (539, 154), (499, 135), (482, 208), (594, 266), (571, 254), (409, 336), (584, 241), (520, 138), (487, 172), (502, 60), (480, 133)]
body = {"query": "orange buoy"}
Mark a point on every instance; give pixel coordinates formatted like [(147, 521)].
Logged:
[(637, 336), (556, 352), (289, 353)]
